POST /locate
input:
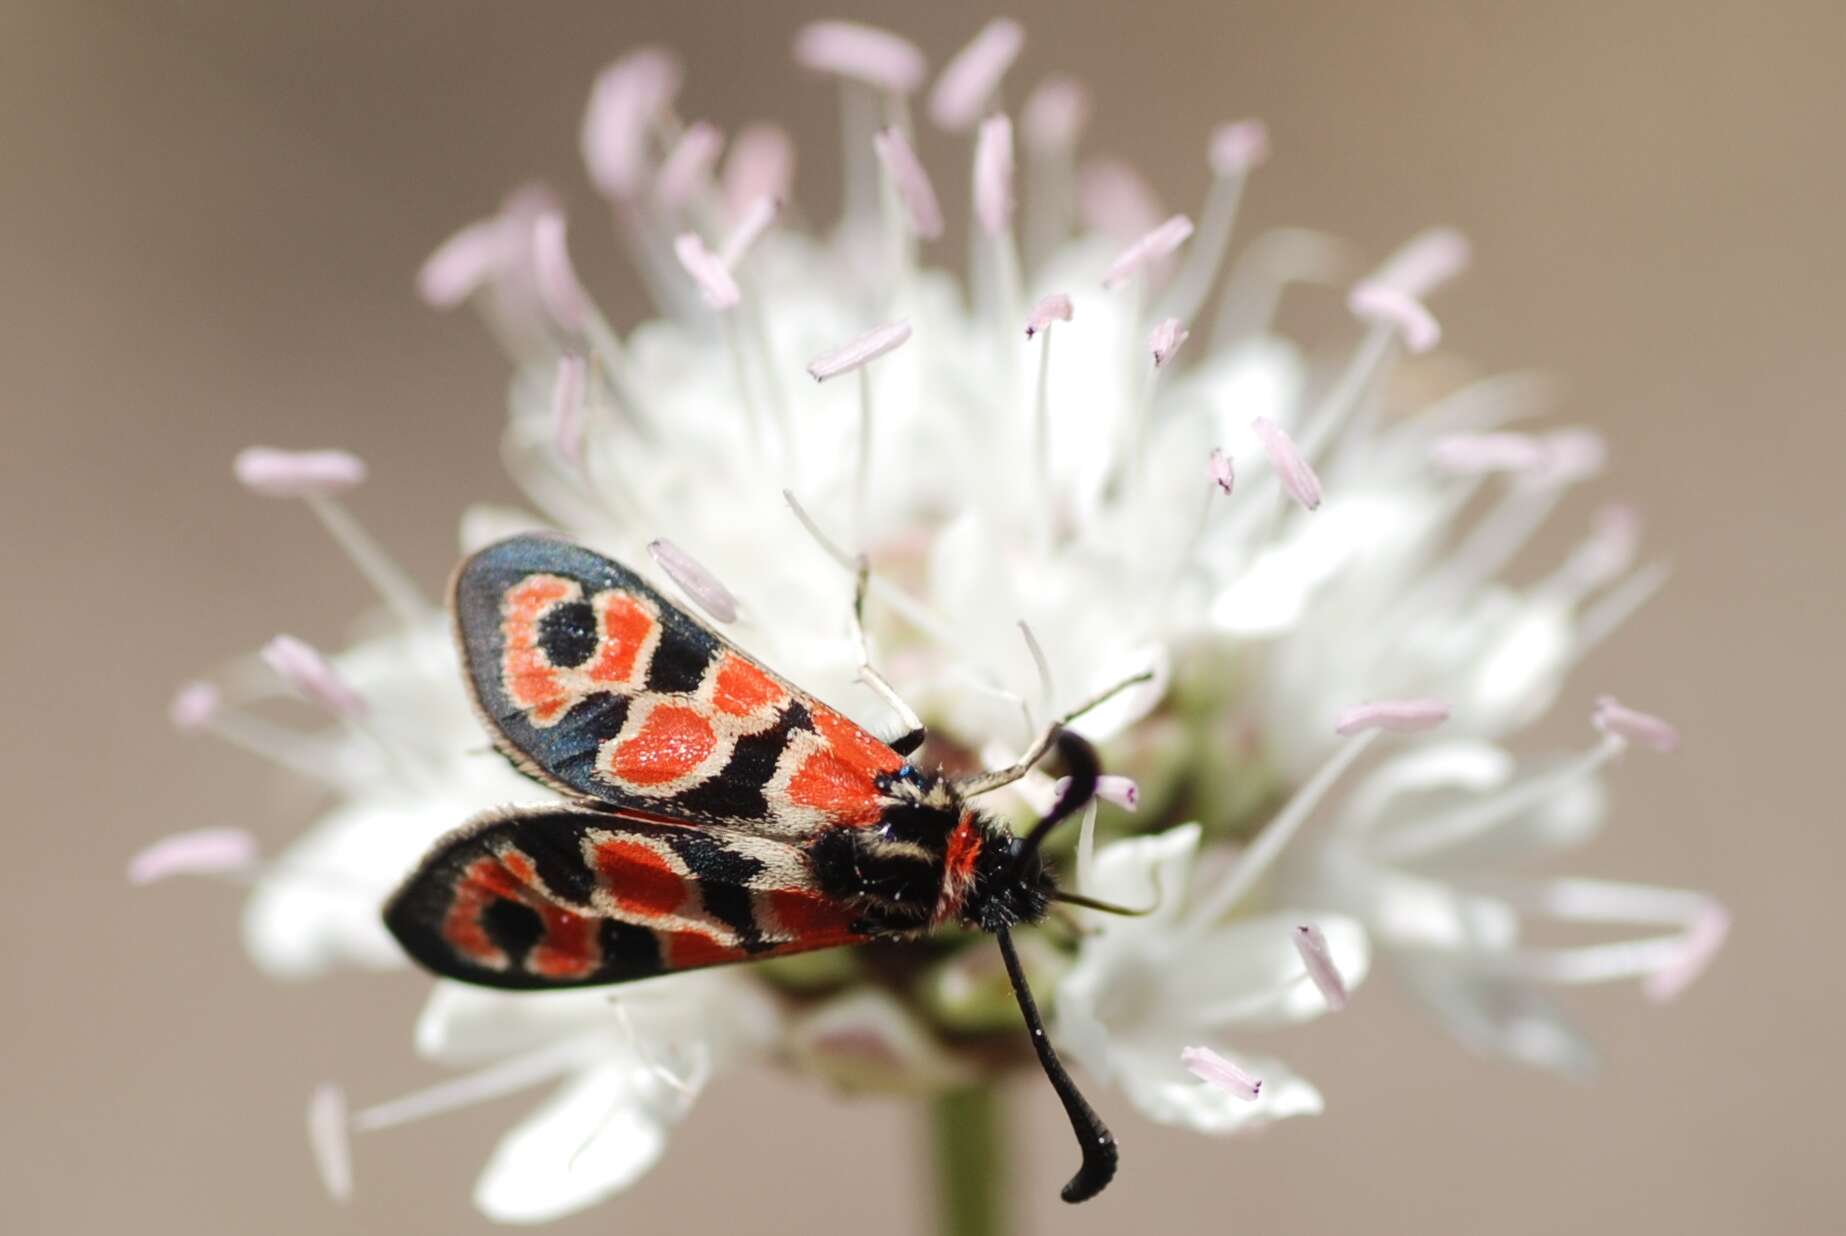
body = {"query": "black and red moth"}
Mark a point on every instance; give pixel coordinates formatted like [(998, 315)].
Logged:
[(716, 813)]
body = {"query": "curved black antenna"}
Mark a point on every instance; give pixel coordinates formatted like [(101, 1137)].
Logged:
[(1093, 1136), (1080, 757), (1107, 907)]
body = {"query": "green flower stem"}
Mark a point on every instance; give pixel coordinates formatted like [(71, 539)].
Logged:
[(965, 1132)]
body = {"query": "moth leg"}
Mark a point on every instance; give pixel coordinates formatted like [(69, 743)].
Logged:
[(914, 731), (982, 783)]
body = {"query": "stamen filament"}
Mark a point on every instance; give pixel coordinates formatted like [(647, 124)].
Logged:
[(1601, 558), (1444, 829), (1578, 900), (1047, 688), (1597, 963), (1269, 844), (559, 290), (740, 373), (708, 271), (1602, 619), (1359, 378), (1235, 150), (1273, 261), (1086, 849), (391, 583), (503, 1078), (993, 210), (567, 395), (1055, 307), (862, 480), (1053, 119), (301, 754), (327, 1140), (906, 606)]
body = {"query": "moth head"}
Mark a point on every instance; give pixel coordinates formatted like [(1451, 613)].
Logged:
[(1011, 880)]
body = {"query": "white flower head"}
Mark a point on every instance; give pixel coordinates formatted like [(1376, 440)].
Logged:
[(1035, 462)]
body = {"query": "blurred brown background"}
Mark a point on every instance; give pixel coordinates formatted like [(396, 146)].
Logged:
[(210, 217)]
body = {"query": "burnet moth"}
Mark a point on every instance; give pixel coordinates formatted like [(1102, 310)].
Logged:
[(715, 813)]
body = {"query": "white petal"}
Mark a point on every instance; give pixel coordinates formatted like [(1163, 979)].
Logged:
[(1249, 973), (1412, 912), (483, 523), (596, 1136), (1122, 710), (1256, 377), (1270, 594), (1498, 1017), (1517, 672), (867, 1040), (319, 906), (464, 1025), (1461, 764), (717, 1013), (1144, 871), (1567, 816)]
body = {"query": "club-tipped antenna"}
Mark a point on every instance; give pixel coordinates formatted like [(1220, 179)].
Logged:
[(1080, 759), (1093, 1136)]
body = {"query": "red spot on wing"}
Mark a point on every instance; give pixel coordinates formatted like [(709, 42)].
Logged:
[(843, 791), (625, 626), (854, 745), (639, 880), (569, 947), (743, 689), (808, 920), (526, 674), (673, 741), (688, 950), (840, 778), (476, 889)]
